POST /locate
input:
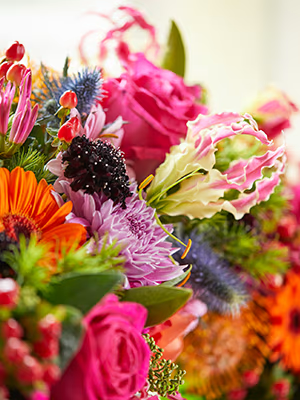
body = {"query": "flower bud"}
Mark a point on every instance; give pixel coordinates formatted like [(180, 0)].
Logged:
[(15, 52), (4, 67), (250, 378), (30, 370), (69, 130), (68, 99), (15, 350), (15, 73)]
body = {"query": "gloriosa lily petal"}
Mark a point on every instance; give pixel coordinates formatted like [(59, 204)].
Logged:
[(198, 187)]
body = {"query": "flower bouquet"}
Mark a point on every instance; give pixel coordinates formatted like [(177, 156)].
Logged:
[(137, 227)]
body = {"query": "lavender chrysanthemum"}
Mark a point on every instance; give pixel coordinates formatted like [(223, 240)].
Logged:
[(143, 242), (212, 279)]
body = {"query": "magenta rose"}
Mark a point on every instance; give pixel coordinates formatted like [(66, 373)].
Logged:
[(113, 361), (157, 104)]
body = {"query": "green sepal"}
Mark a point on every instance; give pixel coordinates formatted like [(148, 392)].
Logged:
[(71, 336), (52, 132), (174, 58), (81, 290), (161, 301)]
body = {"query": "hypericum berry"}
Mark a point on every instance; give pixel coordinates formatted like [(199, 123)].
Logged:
[(46, 348), (69, 130), (237, 394), (15, 73), (29, 370), (4, 67), (68, 99), (9, 292), (281, 388), (15, 52), (97, 167), (49, 327), (11, 328), (51, 374), (15, 350), (250, 378)]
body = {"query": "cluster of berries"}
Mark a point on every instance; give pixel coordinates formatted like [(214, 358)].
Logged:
[(29, 347), (10, 68)]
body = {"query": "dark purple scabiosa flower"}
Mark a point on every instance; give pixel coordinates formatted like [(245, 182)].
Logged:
[(142, 241), (97, 166), (212, 279)]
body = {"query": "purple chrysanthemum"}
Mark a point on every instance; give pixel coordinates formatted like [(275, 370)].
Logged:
[(141, 239)]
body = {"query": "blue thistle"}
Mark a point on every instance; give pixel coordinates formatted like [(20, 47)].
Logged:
[(212, 279), (86, 84)]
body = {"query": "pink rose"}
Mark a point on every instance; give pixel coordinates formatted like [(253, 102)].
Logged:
[(157, 104), (113, 361)]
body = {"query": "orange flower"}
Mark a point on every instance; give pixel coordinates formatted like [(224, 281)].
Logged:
[(29, 208), (285, 319), (222, 348)]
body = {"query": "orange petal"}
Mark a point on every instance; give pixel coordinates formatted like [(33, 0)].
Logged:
[(58, 217), (21, 191), (4, 189)]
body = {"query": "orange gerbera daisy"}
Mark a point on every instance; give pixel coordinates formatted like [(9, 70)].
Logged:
[(222, 348), (30, 208), (285, 319)]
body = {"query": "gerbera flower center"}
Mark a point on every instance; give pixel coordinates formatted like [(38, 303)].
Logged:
[(15, 225), (295, 320)]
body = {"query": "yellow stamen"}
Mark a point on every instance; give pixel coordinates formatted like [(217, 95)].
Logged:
[(185, 280), (187, 249), (146, 182)]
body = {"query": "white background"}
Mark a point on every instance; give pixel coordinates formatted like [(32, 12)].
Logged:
[(235, 47)]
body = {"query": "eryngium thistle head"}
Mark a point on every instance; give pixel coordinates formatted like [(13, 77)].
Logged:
[(212, 279), (97, 167), (86, 84)]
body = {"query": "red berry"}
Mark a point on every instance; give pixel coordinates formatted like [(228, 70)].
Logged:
[(2, 375), (30, 370), (9, 292), (15, 350), (15, 52), (237, 394), (15, 73), (11, 328), (250, 378), (46, 348), (281, 388), (4, 67), (69, 130), (51, 374), (287, 227), (68, 99), (50, 327)]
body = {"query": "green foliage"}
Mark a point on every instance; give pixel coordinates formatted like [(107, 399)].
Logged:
[(249, 247), (25, 262), (31, 160), (174, 58), (160, 301), (81, 290), (164, 376), (70, 340), (78, 259)]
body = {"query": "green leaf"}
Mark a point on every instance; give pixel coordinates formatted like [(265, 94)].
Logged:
[(72, 333), (82, 291), (174, 58), (160, 301), (173, 282)]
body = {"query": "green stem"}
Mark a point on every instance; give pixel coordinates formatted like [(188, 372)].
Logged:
[(160, 194), (167, 232)]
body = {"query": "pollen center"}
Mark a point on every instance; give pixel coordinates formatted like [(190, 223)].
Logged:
[(15, 225)]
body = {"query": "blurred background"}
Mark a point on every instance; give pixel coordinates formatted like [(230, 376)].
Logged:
[(235, 48)]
